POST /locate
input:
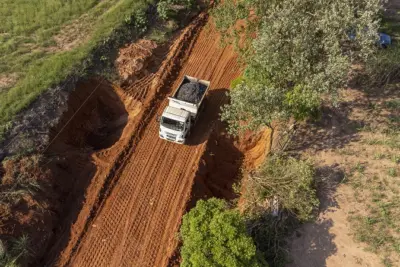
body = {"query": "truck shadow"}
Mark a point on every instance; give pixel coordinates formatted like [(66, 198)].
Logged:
[(208, 117), (219, 166)]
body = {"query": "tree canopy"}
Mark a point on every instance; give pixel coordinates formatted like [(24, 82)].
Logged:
[(214, 235), (303, 50)]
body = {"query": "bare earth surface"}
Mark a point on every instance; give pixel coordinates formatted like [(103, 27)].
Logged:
[(137, 224), (328, 241), (354, 159)]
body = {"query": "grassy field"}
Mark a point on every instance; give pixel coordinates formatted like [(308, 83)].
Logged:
[(42, 42)]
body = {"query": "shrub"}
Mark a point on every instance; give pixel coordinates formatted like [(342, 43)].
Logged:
[(287, 181), (214, 235), (169, 8), (384, 67)]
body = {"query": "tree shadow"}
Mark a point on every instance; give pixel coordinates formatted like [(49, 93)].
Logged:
[(381, 103), (312, 244), (219, 168), (333, 130), (328, 179)]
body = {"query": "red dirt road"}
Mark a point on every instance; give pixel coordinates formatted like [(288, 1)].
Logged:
[(139, 220)]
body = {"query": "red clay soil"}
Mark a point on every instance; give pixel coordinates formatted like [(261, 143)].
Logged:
[(131, 214), (21, 211)]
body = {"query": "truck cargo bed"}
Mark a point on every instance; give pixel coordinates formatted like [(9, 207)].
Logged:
[(192, 97)]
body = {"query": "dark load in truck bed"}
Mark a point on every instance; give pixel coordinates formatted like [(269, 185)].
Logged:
[(190, 91)]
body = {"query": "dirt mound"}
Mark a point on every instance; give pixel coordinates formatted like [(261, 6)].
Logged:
[(134, 59)]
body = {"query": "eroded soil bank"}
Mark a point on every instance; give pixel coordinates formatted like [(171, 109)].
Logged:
[(43, 193)]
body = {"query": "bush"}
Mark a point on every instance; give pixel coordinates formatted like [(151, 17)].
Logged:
[(384, 67), (286, 181), (214, 235), (169, 8)]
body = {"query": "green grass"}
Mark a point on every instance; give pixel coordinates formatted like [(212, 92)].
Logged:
[(393, 104), (360, 168), (28, 27), (378, 224), (379, 228), (19, 249), (378, 156), (392, 141), (392, 172)]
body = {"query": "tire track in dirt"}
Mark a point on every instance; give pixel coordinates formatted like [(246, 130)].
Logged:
[(136, 226), (96, 196)]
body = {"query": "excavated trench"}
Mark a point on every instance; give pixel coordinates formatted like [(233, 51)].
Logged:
[(99, 137), (95, 118), (85, 142)]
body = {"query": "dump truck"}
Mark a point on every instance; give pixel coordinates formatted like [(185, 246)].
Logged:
[(182, 112)]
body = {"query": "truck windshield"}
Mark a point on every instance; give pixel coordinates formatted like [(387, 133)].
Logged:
[(172, 124)]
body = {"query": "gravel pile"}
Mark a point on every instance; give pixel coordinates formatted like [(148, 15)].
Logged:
[(190, 92)]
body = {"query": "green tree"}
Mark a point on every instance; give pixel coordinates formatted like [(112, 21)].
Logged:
[(214, 235), (302, 52)]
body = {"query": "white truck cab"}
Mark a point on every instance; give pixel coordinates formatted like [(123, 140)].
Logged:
[(182, 111), (175, 124)]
